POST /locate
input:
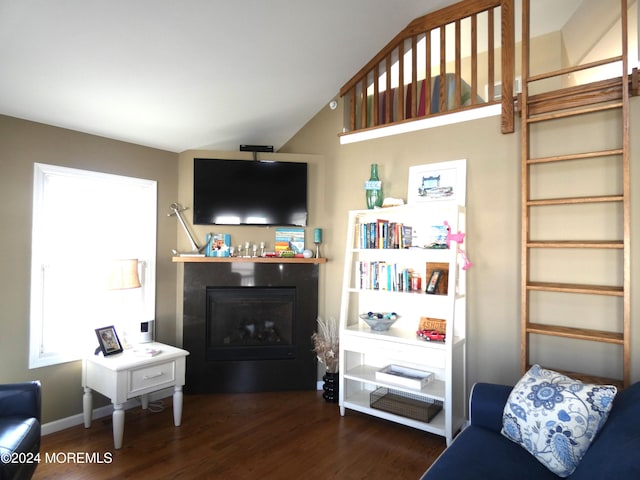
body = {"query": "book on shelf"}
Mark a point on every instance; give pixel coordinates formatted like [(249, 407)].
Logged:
[(289, 239), (218, 244), (407, 236), (379, 275), (384, 234)]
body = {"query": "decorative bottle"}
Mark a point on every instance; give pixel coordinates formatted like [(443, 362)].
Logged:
[(373, 188)]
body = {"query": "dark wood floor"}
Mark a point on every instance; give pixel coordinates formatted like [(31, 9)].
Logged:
[(287, 435)]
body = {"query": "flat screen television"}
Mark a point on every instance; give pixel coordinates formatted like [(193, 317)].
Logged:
[(249, 192)]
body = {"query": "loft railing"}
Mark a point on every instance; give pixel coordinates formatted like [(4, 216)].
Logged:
[(440, 63)]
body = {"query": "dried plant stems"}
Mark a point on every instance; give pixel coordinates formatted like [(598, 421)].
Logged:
[(326, 343)]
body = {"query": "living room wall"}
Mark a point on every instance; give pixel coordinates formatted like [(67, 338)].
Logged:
[(493, 227), (21, 144)]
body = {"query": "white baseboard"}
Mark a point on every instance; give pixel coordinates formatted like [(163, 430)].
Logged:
[(101, 412)]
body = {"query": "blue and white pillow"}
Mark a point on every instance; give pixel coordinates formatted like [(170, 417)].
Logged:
[(556, 418)]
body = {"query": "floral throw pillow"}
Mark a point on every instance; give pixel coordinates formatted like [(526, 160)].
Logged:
[(556, 418)]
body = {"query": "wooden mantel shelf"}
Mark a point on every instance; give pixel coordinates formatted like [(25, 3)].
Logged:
[(188, 259)]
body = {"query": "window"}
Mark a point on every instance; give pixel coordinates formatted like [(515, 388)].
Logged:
[(82, 221)]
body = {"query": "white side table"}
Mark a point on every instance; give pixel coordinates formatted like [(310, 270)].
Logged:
[(127, 375)]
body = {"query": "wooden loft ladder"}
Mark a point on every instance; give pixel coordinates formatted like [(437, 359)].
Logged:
[(540, 114)]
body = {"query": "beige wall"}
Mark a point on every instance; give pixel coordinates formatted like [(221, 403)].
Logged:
[(336, 181), (493, 226), (21, 144)]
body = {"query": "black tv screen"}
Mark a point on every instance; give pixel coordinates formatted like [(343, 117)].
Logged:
[(249, 192)]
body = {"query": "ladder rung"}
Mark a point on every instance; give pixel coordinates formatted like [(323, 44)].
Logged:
[(577, 68), (575, 112), (576, 156), (577, 333), (575, 200), (575, 244), (590, 379), (595, 93), (576, 288)]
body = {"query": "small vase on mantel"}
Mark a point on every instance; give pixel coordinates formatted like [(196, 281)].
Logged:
[(330, 387), (373, 188)]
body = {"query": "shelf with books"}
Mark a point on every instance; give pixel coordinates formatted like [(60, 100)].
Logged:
[(384, 234), (407, 244)]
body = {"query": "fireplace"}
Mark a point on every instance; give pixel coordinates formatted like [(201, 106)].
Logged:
[(250, 323), (248, 326)]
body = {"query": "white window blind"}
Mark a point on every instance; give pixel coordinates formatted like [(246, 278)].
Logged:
[(82, 221)]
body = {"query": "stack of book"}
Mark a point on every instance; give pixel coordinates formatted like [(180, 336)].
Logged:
[(384, 234), (378, 275)]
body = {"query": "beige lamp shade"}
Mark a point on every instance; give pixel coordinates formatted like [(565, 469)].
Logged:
[(123, 274)]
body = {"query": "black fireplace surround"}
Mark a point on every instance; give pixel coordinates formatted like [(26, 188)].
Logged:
[(248, 326)]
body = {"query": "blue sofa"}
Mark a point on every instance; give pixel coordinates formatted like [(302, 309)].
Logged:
[(20, 408), (481, 452)]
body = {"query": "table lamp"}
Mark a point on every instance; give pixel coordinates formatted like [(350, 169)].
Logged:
[(123, 275)]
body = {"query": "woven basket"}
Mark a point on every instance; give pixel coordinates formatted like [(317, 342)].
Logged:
[(437, 324)]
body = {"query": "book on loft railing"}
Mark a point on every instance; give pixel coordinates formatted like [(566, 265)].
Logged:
[(384, 234)]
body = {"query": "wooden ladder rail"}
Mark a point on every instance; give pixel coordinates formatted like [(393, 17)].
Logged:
[(565, 103)]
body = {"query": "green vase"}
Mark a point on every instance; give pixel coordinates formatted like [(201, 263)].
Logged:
[(373, 188)]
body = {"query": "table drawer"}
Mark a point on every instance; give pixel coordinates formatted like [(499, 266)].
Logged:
[(152, 376)]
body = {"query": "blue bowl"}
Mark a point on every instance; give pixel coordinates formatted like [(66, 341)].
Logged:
[(380, 321)]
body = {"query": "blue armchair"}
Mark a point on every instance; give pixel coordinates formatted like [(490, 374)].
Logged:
[(20, 410)]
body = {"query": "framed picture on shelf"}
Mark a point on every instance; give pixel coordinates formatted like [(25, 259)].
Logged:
[(438, 181), (108, 341), (434, 280)]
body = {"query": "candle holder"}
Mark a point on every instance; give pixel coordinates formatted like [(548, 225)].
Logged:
[(317, 239)]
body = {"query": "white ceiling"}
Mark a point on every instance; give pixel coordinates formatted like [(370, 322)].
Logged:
[(190, 74)]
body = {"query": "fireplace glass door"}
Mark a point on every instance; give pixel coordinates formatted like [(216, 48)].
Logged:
[(250, 323)]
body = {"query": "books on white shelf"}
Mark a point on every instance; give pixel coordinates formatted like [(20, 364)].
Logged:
[(384, 234), (404, 376)]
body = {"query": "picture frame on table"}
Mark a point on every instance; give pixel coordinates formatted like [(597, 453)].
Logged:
[(108, 341), (438, 181)]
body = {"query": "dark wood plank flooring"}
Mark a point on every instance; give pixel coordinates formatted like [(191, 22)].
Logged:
[(282, 435)]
